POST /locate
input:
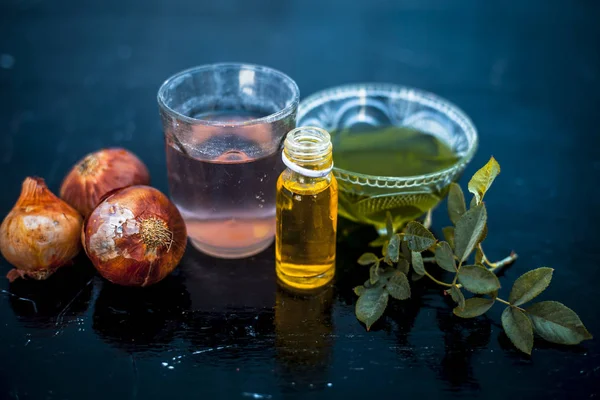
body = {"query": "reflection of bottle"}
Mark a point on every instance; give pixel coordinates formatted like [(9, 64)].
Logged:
[(306, 210), (303, 337)]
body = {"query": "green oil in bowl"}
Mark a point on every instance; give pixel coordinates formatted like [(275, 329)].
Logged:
[(396, 149), (377, 157)]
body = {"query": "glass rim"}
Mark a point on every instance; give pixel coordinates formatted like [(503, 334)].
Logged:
[(407, 93), (280, 114)]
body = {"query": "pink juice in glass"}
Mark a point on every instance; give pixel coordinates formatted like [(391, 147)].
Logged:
[(224, 125), (224, 184)]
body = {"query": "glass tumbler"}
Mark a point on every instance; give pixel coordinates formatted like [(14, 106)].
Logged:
[(224, 126)]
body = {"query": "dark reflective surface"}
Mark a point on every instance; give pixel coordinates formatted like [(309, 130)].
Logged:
[(138, 320), (77, 76), (304, 338), (56, 301)]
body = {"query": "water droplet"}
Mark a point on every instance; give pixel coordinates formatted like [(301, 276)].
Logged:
[(171, 367), (164, 364), (329, 384)]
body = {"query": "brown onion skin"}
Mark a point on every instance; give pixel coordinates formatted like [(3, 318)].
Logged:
[(99, 173), (41, 232), (113, 236)]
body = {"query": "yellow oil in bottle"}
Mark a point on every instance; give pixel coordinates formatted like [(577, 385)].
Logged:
[(306, 211)]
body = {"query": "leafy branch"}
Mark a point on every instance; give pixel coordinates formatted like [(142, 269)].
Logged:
[(402, 255)]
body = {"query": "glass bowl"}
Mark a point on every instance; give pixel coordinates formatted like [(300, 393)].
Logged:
[(357, 108)]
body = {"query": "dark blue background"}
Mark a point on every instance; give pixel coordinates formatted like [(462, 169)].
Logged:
[(76, 76)]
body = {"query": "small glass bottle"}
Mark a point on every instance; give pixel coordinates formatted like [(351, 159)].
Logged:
[(306, 204)]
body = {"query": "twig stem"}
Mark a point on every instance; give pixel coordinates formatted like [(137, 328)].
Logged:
[(437, 281), (502, 263), (508, 304)]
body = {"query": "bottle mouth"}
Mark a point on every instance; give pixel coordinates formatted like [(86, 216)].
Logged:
[(308, 151), (308, 141)]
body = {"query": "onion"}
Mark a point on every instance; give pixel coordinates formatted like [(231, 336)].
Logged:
[(135, 237), (99, 173), (41, 232)]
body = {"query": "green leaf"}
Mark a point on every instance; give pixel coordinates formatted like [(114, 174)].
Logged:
[(474, 307), (368, 259), (456, 203), (405, 251), (415, 276), (484, 233), (473, 202), (477, 279), (445, 257), (468, 231), (518, 328), (529, 285), (482, 180), (398, 286), (371, 305), (379, 242), (417, 263), (458, 297), (359, 290), (418, 237), (374, 273), (557, 323), (403, 266), (449, 235), (478, 255), (369, 285), (384, 274), (389, 225), (393, 249)]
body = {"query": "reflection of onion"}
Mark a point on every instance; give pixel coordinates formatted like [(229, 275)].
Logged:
[(141, 319), (54, 302), (135, 237)]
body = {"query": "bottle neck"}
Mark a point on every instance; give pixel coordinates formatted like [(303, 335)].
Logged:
[(307, 152)]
